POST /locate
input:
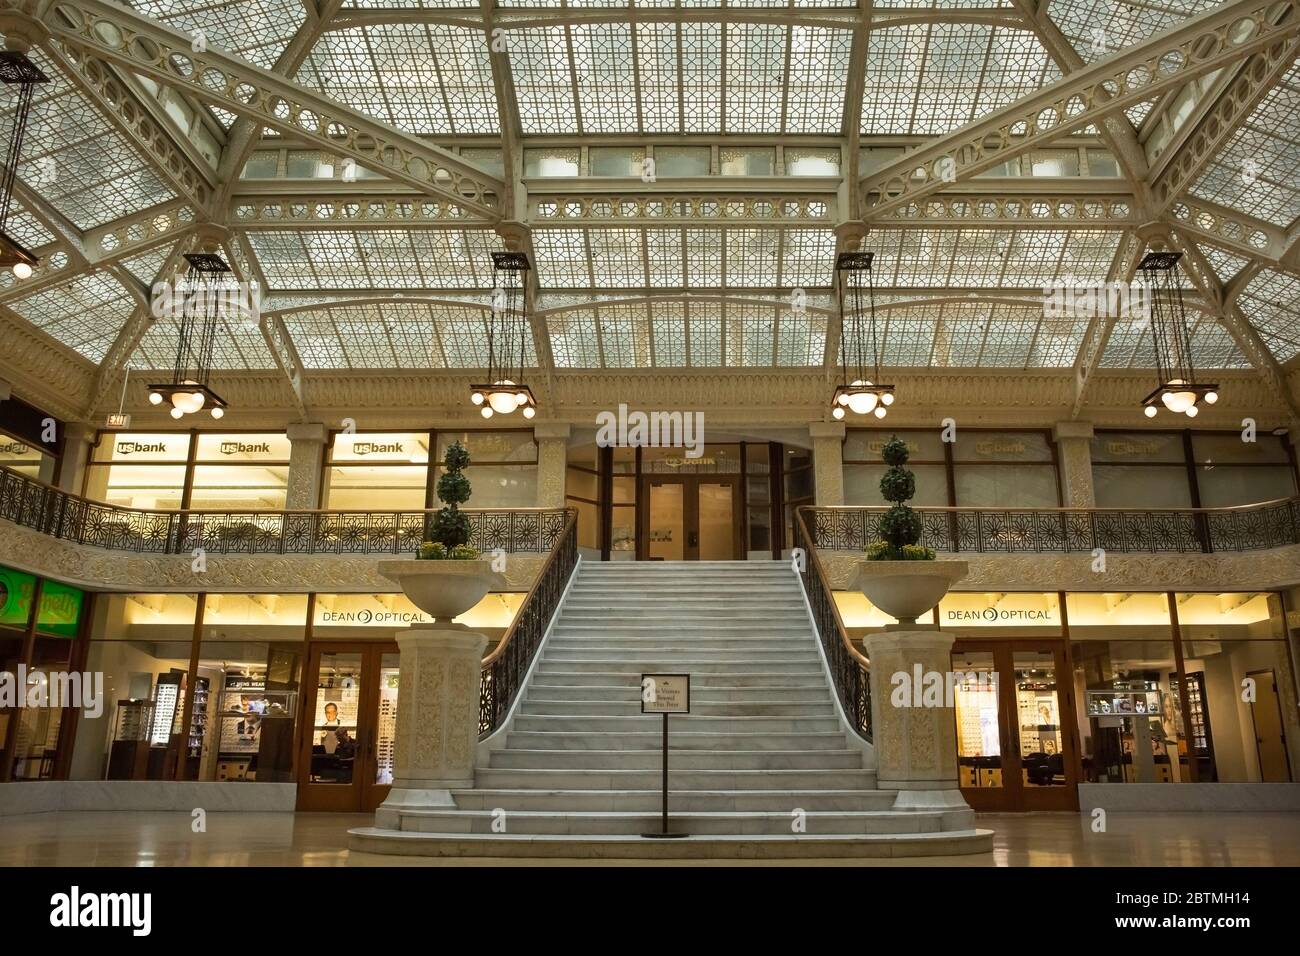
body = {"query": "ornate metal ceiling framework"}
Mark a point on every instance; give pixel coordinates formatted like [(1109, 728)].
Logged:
[(671, 272)]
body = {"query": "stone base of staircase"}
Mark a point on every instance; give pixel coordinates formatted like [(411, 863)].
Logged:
[(763, 767), (558, 846)]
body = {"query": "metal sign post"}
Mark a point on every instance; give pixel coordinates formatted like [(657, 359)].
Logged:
[(665, 694)]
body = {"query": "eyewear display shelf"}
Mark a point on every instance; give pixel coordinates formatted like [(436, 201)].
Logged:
[(1200, 739), (198, 729), (128, 753), (246, 710)]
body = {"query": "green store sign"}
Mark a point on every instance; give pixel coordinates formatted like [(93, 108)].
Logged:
[(60, 610)]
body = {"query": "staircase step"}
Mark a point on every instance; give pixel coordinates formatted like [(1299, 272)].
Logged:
[(630, 675), (682, 778), (717, 823), (792, 694), (574, 723), (682, 656), (681, 760), (683, 801), (702, 668), (630, 740), (624, 708)]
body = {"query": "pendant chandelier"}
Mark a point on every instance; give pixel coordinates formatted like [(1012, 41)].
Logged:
[(204, 293), (16, 69), (860, 391), (1177, 389), (508, 331)]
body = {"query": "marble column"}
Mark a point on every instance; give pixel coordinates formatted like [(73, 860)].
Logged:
[(552, 456), (437, 718), (1074, 448), (828, 461), (914, 734), (78, 440), (307, 443)]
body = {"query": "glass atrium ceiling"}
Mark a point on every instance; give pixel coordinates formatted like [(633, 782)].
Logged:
[(363, 273)]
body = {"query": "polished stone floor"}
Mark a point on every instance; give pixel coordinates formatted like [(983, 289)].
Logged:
[(318, 839)]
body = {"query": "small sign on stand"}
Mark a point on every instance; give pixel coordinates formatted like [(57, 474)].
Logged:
[(665, 694)]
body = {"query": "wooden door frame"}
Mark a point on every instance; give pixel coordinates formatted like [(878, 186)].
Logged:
[(1014, 796), (362, 794), (691, 511)]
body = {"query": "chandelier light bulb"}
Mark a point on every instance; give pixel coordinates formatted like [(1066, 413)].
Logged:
[(862, 402), (176, 412), (218, 411), (529, 411), (880, 411), (1211, 398), (837, 412), (476, 398), (843, 399), (1150, 411), (503, 402), (1192, 411), (198, 399), (887, 398), (487, 411), (155, 398), (22, 270)]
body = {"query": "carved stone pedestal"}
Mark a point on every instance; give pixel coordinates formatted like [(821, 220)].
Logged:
[(437, 718), (914, 733)]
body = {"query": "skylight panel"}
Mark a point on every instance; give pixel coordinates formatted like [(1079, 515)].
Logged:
[(257, 30), (750, 258), (1214, 347), (1098, 28), (705, 331), (146, 266), (1225, 264), (755, 77), (1272, 304), (605, 79), (617, 261), (807, 258), (86, 313), (421, 78), (665, 258), (819, 67), (562, 261), (909, 335), (656, 58), (668, 325), (624, 335), (1010, 335), (573, 339), (751, 334), (238, 344), (539, 59), (701, 46), (800, 337), (703, 258)]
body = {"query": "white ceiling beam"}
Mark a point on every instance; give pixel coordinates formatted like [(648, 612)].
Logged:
[(134, 42), (1197, 45)]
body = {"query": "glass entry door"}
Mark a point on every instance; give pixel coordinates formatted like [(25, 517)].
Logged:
[(691, 518), (345, 759), (1013, 711)]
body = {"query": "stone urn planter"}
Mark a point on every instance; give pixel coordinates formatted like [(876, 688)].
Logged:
[(907, 589), (443, 589)]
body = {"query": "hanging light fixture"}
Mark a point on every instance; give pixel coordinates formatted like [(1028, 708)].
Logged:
[(16, 69), (861, 390), (508, 331), (1178, 391), (204, 294)]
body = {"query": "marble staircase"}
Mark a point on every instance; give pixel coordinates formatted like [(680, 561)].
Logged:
[(764, 765)]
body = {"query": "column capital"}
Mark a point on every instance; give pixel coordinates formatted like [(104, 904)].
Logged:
[(80, 431), (827, 430), (307, 431), (1072, 430), (552, 430)]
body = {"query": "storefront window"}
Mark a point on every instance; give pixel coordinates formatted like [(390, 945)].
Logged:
[(622, 534), (502, 470), (26, 459), (1004, 469), (242, 472), (1139, 470), (1241, 699), (863, 468), (976, 705), (378, 472), (141, 644), (250, 664), (139, 470)]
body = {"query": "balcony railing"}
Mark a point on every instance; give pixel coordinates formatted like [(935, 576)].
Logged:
[(49, 510), (1270, 524)]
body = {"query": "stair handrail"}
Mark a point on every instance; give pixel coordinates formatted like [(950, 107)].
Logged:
[(850, 669), (506, 667)]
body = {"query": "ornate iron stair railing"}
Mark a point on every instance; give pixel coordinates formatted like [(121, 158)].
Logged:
[(505, 668), (850, 670)]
